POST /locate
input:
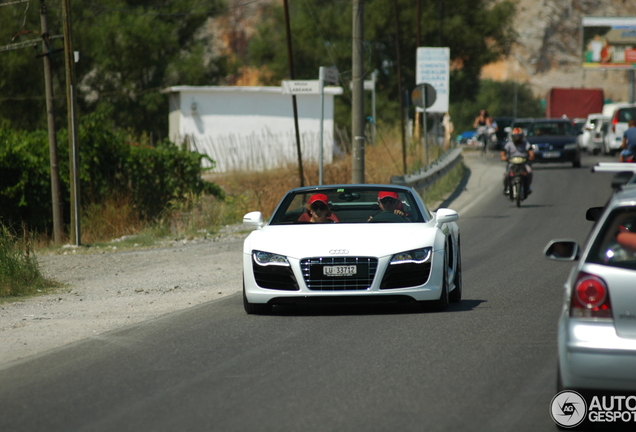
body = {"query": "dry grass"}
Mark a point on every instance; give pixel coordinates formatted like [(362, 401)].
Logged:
[(113, 218)]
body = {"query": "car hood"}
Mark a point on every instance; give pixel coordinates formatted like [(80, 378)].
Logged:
[(372, 239), (559, 140)]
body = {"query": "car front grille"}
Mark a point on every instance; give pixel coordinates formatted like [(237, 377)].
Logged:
[(316, 280)]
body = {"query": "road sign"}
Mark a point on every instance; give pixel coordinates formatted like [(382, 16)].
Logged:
[(331, 75), (424, 96), (301, 87), (433, 67)]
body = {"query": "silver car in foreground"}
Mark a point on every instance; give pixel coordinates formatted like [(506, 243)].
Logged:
[(597, 327)]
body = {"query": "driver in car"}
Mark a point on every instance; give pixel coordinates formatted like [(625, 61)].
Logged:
[(390, 202)]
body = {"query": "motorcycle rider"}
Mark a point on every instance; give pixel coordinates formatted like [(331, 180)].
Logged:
[(517, 146)]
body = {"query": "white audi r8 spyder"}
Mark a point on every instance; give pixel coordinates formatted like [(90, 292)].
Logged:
[(351, 243)]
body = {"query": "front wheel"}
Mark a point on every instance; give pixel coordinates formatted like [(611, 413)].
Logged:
[(517, 193)]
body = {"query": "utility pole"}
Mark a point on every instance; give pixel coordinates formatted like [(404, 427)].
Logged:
[(290, 59), (399, 76), (69, 57), (55, 177), (357, 96), (48, 85)]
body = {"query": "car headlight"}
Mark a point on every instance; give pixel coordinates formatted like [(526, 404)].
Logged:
[(569, 146), (417, 256), (267, 258)]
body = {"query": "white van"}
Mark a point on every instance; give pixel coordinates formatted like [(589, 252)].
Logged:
[(618, 127), (585, 138)]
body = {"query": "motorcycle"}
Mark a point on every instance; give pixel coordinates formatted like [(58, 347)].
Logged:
[(516, 178)]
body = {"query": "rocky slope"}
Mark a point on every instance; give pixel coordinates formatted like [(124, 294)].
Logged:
[(548, 53)]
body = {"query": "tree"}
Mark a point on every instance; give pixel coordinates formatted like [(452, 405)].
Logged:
[(129, 51), (477, 32)]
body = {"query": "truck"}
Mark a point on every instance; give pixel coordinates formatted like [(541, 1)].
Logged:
[(574, 102)]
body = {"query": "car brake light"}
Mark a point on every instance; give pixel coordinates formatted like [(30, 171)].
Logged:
[(614, 121), (590, 298)]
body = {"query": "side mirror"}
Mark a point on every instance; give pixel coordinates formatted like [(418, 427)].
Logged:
[(562, 250), (593, 213), (445, 215), (253, 219)]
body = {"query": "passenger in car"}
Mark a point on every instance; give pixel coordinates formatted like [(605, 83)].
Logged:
[(318, 210)]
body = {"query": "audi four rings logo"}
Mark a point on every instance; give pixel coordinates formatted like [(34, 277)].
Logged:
[(338, 252)]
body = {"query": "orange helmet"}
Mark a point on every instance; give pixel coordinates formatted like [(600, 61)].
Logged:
[(517, 134)]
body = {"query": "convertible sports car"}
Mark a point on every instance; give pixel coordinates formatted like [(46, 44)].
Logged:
[(375, 242)]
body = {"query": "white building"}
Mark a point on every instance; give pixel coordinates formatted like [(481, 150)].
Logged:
[(250, 128)]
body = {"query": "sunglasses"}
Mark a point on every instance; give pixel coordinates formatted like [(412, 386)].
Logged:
[(321, 207), (388, 200)]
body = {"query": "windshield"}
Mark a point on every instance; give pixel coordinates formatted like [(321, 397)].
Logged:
[(551, 128), (349, 205)]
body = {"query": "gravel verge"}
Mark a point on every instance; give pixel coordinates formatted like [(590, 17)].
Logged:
[(107, 290)]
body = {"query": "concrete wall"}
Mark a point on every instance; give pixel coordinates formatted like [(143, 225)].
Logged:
[(250, 128)]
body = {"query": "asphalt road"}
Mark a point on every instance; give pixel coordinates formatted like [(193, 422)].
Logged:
[(487, 364)]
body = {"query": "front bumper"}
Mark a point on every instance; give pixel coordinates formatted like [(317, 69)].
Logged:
[(377, 280), (549, 156)]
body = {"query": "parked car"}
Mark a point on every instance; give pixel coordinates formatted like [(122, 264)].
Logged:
[(586, 136), (554, 140), (597, 324), (618, 127), (291, 260), (598, 134)]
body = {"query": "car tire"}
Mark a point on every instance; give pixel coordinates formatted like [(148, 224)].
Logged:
[(455, 296), (576, 163), (255, 308)]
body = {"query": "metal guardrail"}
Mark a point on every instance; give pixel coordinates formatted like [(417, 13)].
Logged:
[(428, 175)]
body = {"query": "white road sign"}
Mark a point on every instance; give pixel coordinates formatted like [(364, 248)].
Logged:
[(301, 87), (433, 67)]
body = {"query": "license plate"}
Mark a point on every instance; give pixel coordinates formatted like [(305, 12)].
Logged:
[(551, 154), (344, 270)]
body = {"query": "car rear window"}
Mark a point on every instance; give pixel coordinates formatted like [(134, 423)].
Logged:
[(626, 114), (615, 244), (551, 128)]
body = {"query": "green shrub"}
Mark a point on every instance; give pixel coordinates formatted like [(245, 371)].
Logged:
[(111, 164), (19, 271)]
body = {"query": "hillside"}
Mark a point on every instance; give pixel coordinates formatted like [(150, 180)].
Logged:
[(548, 53)]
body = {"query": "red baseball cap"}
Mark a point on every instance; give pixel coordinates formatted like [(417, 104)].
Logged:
[(319, 197), (386, 194)]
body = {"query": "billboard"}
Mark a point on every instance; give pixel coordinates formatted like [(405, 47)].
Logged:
[(433, 67), (609, 42)]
